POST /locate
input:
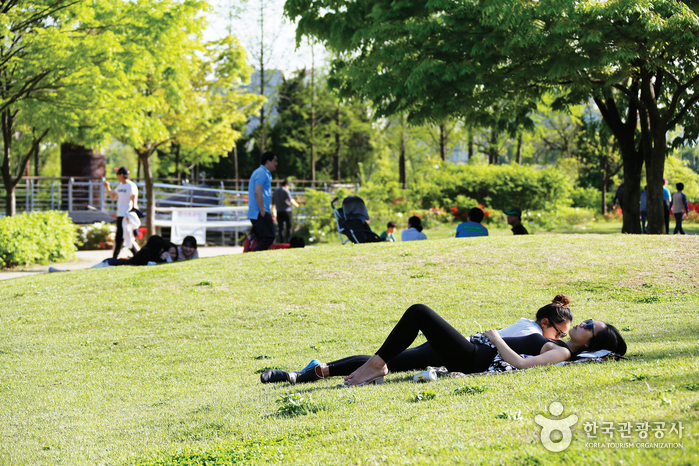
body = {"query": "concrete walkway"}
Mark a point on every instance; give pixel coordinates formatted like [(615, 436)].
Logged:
[(86, 259)]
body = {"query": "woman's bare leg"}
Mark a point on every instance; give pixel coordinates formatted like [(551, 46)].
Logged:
[(373, 368)]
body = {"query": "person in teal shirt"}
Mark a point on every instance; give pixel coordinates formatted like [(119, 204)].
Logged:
[(388, 235), (473, 226)]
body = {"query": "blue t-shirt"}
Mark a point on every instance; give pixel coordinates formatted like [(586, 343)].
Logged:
[(263, 177), (644, 202), (666, 195), (468, 229)]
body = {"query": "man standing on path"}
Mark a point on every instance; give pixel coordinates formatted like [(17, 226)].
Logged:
[(281, 205), (514, 219), (259, 200), (126, 194)]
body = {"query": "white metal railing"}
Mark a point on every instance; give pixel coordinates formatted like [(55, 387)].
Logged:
[(82, 194)]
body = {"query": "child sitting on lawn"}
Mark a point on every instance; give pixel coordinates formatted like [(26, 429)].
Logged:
[(388, 235)]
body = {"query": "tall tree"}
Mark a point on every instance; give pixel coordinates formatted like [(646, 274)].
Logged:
[(171, 95), (54, 55), (636, 58)]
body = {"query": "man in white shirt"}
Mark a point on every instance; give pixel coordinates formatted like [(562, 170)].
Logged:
[(126, 194)]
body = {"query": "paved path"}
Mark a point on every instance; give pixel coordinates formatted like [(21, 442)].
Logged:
[(86, 259)]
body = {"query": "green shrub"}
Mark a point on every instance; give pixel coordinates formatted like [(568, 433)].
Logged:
[(36, 237), (588, 198), (498, 186), (319, 220), (560, 218), (99, 235)]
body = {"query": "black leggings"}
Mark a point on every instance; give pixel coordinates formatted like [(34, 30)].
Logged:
[(445, 347), (118, 238)]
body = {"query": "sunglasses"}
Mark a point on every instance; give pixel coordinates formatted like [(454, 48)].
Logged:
[(560, 334), (588, 324)]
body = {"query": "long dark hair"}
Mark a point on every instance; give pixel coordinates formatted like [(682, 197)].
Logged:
[(415, 222), (608, 338)]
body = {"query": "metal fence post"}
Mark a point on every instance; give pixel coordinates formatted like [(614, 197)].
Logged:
[(53, 195), (70, 194), (103, 196), (89, 192)]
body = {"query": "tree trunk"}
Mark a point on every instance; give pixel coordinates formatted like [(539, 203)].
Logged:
[(402, 169), (470, 144), (603, 187), (633, 166), (176, 150), (493, 155), (632, 159), (655, 169), (337, 145), (144, 159), (7, 124), (262, 142), (235, 162), (519, 149), (36, 161), (443, 142)]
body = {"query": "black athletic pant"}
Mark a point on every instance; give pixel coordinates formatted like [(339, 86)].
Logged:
[(284, 225), (678, 223), (119, 238), (264, 230), (447, 347)]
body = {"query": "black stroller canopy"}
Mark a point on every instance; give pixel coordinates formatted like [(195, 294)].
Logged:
[(355, 209)]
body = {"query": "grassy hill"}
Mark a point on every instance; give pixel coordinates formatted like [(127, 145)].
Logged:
[(160, 365)]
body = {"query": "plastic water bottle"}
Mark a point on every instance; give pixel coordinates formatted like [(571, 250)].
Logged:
[(429, 375)]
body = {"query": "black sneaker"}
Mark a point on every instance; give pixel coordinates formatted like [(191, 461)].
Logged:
[(273, 376)]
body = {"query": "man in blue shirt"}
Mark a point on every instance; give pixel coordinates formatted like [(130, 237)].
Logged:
[(473, 226), (260, 199)]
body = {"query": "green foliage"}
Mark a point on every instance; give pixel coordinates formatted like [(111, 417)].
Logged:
[(295, 404), (677, 171), (588, 198), (499, 186), (510, 415), (470, 390), (424, 395), (37, 237), (319, 220), (99, 235)]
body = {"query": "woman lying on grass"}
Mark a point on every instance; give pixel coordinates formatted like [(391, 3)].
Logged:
[(447, 347)]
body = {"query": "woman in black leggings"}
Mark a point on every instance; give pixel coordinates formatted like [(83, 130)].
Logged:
[(459, 353)]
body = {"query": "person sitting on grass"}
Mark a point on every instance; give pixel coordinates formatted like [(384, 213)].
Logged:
[(388, 235), (414, 231), (552, 322), (472, 226), (188, 249), (514, 219)]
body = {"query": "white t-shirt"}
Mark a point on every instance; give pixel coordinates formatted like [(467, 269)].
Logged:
[(124, 193), (411, 234), (521, 329)]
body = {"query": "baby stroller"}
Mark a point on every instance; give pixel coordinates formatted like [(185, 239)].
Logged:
[(351, 221)]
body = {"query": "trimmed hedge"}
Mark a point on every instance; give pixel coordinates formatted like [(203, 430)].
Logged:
[(36, 237), (498, 186)]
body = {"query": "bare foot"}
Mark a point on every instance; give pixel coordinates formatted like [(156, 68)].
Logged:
[(373, 368)]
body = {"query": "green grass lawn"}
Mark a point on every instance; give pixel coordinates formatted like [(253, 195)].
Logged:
[(160, 365)]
